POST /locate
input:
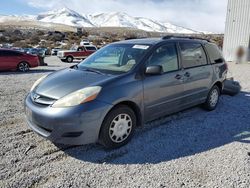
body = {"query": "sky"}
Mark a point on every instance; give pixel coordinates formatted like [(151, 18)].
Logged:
[(201, 15)]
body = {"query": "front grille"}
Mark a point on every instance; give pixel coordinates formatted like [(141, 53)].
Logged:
[(60, 54), (43, 100)]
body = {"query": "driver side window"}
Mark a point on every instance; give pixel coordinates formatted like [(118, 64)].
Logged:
[(166, 56)]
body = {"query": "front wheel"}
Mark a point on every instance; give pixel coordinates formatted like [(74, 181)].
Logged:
[(118, 127), (69, 59), (212, 98), (23, 67)]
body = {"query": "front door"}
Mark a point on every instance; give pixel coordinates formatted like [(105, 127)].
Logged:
[(163, 93)]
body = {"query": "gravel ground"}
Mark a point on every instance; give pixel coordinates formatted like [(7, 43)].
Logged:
[(193, 148)]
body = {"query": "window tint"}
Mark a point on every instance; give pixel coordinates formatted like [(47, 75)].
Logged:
[(193, 55), (9, 53), (166, 56), (214, 52), (90, 48), (1, 52)]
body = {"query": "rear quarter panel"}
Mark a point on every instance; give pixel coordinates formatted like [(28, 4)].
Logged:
[(220, 72), (32, 60)]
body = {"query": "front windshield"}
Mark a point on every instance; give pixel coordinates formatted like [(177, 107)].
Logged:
[(115, 59)]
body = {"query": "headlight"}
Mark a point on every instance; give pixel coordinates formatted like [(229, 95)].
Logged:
[(37, 82), (78, 97)]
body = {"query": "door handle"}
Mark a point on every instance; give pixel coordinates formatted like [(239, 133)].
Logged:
[(178, 77), (187, 74)]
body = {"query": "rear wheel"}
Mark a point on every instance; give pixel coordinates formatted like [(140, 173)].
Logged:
[(212, 98), (69, 59), (118, 127), (23, 67)]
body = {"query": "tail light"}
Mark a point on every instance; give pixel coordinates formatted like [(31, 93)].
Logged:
[(37, 60)]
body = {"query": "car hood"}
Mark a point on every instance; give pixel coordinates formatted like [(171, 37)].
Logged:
[(67, 51), (68, 80)]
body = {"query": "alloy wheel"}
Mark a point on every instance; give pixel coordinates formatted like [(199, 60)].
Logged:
[(23, 67)]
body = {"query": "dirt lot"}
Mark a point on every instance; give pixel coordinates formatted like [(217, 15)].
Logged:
[(193, 148)]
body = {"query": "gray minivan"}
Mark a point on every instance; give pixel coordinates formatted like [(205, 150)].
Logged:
[(121, 86)]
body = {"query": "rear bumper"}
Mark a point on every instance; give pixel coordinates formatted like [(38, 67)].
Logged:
[(73, 126)]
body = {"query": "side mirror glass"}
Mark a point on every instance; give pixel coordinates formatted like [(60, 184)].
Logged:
[(154, 70)]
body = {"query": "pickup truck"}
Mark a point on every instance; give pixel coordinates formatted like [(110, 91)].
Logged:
[(80, 52)]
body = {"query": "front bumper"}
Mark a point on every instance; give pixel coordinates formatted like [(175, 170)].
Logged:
[(72, 125), (61, 57)]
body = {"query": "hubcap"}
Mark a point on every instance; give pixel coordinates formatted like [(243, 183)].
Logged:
[(69, 59), (120, 128), (23, 67), (214, 98)]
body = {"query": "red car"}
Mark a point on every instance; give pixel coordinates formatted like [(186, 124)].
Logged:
[(14, 60)]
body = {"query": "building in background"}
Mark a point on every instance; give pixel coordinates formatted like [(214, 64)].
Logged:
[(237, 31)]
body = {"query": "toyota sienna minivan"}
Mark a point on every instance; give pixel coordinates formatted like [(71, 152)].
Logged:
[(122, 86)]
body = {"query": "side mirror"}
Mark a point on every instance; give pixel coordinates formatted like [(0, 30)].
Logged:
[(154, 70)]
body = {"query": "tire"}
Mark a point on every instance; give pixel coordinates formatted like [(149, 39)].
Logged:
[(118, 127), (69, 59), (23, 67), (212, 98)]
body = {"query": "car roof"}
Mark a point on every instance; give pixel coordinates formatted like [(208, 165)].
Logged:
[(7, 49), (154, 41)]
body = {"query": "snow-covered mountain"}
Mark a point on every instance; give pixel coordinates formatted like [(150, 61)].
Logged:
[(120, 19), (114, 19), (65, 16)]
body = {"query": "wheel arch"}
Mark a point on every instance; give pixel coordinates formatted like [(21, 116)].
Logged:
[(219, 85), (24, 62), (69, 56), (134, 107), (136, 110)]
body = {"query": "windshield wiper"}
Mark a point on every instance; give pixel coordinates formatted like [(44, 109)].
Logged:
[(93, 70)]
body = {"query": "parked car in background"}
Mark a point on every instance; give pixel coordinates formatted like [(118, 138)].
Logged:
[(122, 86), (15, 60), (46, 51), (25, 50), (85, 43), (54, 51), (17, 49), (80, 52), (37, 51)]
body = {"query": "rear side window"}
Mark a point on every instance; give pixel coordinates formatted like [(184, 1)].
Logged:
[(214, 53), (193, 55), (166, 56), (9, 53), (90, 48)]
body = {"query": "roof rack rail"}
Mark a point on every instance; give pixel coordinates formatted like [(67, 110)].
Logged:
[(183, 37)]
